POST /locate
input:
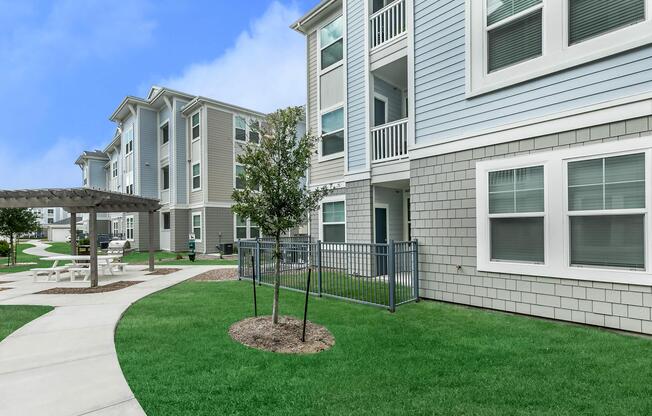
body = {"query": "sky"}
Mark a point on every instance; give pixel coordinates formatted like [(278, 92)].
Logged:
[(67, 65)]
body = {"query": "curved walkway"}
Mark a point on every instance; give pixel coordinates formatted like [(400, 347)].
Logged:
[(65, 362), (39, 249)]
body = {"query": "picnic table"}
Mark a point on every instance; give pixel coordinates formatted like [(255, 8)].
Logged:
[(79, 263)]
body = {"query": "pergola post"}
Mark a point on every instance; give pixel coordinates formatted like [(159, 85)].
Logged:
[(73, 233), (92, 229), (150, 245)]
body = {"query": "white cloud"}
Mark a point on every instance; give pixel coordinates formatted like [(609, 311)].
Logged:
[(264, 70), (53, 168)]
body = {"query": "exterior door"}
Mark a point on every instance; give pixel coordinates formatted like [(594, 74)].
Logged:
[(381, 238), (380, 112)]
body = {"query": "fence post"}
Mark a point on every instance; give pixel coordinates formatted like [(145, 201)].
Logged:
[(391, 274), (257, 256), (318, 268), (415, 269), (239, 261)]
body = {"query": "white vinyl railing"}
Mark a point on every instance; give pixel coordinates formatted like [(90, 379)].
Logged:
[(387, 23), (390, 140)]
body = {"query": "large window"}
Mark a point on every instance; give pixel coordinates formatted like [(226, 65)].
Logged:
[(245, 228), (332, 130), (196, 176), (512, 41), (129, 141), (333, 222), (196, 226), (606, 206), (114, 169), (516, 212), (165, 217), (331, 43), (579, 213), (165, 133), (239, 181), (240, 129), (254, 135), (130, 228), (165, 177), (195, 126)]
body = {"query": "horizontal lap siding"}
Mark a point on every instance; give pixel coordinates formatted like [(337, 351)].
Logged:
[(442, 110), (356, 101), (148, 142), (219, 144), (219, 223), (181, 154)]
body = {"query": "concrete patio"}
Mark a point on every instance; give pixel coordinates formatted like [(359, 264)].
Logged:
[(65, 362)]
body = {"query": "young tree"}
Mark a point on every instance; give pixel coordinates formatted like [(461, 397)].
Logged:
[(275, 195), (16, 221)]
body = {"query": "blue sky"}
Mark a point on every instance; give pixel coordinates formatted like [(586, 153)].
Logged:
[(67, 64)]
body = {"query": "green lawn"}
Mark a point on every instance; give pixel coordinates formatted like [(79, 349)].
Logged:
[(24, 258), (13, 317), (427, 358)]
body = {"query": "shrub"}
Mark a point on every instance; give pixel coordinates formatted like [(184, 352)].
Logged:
[(84, 242), (4, 248)]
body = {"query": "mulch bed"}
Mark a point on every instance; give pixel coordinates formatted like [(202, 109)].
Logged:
[(285, 337), (217, 275), (161, 272), (112, 287)]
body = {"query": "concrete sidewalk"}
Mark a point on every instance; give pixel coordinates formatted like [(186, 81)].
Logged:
[(39, 249), (65, 362)]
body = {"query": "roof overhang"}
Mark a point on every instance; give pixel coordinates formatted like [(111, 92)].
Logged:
[(126, 107), (306, 22), (197, 102), (77, 200)]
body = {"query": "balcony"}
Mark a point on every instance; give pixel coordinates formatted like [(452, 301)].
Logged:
[(390, 141), (387, 24)]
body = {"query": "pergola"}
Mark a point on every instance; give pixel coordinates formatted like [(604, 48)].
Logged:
[(82, 201)]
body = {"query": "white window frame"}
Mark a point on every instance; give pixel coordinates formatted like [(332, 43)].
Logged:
[(129, 226), (235, 128), (160, 131), (333, 198), (193, 176), (163, 188), (235, 175), (192, 126), (129, 141), (556, 222), (321, 48), (556, 55), (321, 157), (247, 228), (201, 225), (115, 227), (114, 169)]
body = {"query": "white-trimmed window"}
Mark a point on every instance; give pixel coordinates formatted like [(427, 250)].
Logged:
[(165, 178), (196, 225), (254, 135), (116, 227), (331, 43), (333, 220), (114, 169), (195, 126), (196, 176), (512, 41), (332, 132), (239, 182), (579, 213), (245, 228), (240, 129), (129, 141), (130, 228), (164, 132)]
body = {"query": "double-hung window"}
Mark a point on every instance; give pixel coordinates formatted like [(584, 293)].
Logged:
[(165, 177), (196, 226), (606, 208), (196, 176), (240, 129), (239, 180), (332, 132), (517, 212), (165, 133), (130, 228), (254, 134), (195, 126), (331, 43), (240, 227), (579, 213), (114, 169), (511, 41), (334, 222)]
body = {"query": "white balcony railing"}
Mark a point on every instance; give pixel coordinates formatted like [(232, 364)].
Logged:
[(390, 140), (387, 23)]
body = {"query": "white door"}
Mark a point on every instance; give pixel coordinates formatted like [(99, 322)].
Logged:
[(165, 231)]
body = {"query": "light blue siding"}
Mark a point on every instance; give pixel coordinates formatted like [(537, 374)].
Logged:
[(180, 153), (356, 117), (96, 174), (394, 98), (442, 110), (148, 153)]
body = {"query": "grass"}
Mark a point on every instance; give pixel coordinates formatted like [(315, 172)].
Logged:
[(24, 258), (427, 358), (13, 317)]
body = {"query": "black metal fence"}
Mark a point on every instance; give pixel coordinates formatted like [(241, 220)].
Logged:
[(377, 274)]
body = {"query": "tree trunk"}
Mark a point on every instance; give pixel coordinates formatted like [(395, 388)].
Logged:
[(11, 249), (16, 252), (277, 279)]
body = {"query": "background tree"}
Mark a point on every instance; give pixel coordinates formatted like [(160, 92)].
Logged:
[(275, 195), (13, 223)]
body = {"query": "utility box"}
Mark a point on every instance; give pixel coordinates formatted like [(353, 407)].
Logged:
[(191, 247), (225, 249)]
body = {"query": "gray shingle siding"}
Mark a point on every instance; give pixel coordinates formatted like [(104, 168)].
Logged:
[(443, 200), (443, 111), (359, 211)]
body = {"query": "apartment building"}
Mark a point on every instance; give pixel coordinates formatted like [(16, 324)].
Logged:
[(513, 139), (181, 149), (48, 216)]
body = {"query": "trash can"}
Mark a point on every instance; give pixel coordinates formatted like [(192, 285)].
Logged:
[(191, 248), (225, 249)]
